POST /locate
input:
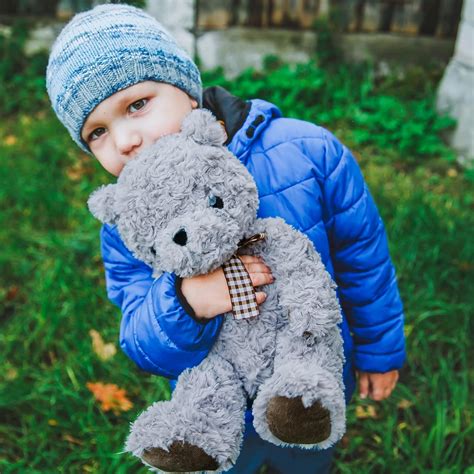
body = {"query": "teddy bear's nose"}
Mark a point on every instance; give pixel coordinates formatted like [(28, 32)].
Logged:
[(180, 237)]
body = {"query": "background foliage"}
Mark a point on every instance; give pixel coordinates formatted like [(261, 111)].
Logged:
[(57, 411)]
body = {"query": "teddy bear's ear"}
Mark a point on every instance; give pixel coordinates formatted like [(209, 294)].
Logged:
[(101, 204), (203, 128)]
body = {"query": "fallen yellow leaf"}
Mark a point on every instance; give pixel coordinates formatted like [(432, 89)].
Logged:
[(11, 373), (52, 422), (404, 404), (71, 439), (103, 350), (110, 396), (408, 329), (10, 140), (25, 120), (377, 439), (365, 411)]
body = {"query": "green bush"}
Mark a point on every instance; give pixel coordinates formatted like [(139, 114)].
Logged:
[(22, 77), (370, 112)]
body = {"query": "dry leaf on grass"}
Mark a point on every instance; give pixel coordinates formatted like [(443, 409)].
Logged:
[(404, 404), (365, 411), (12, 293), (11, 374), (79, 168), (110, 396), (10, 140), (103, 350), (72, 440)]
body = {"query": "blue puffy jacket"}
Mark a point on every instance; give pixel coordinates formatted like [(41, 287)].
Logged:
[(307, 177)]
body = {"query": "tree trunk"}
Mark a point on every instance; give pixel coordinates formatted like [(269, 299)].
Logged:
[(359, 14), (429, 17), (270, 10), (451, 19), (8, 7), (386, 16), (234, 13), (255, 12)]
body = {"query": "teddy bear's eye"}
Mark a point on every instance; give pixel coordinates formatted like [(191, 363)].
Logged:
[(215, 201), (153, 251)]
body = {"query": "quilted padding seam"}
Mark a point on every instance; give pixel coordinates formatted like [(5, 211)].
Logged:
[(296, 139), (287, 187)]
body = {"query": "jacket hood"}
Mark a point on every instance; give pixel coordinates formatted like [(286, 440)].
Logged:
[(243, 120)]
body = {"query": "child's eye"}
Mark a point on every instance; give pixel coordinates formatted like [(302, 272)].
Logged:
[(96, 133), (137, 105)]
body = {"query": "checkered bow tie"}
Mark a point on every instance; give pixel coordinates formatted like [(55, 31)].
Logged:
[(241, 290)]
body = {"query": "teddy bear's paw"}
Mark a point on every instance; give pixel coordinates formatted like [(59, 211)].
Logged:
[(290, 421), (180, 457)]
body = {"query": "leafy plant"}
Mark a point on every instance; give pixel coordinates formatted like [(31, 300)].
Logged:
[(348, 98), (22, 77)]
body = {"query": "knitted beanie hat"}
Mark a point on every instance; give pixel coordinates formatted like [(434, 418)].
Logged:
[(105, 50)]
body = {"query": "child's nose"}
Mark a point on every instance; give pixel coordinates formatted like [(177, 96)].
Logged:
[(128, 142)]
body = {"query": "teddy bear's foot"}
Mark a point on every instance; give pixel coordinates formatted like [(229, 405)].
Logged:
[(290, 421), (180, 457), (300, 405)]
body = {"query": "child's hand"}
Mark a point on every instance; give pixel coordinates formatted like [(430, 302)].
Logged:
[(208, 294), (377, 386)]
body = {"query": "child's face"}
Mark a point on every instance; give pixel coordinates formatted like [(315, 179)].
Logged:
[(132, 119)]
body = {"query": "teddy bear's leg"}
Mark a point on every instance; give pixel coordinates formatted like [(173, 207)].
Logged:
[(302, 403), (200, 428)]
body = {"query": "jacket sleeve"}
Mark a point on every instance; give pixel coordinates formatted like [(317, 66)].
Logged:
[(155, 332), (363, 269)]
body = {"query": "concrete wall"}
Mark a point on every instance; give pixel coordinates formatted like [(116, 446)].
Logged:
[(238, 48)]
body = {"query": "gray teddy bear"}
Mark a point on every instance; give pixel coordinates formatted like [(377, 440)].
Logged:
[(187, 205)]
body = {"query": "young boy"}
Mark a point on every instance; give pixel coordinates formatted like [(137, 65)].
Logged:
[(118, 82)]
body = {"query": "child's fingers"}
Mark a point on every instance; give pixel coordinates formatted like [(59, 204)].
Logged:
[(260, 274), (382, 385), (253, 260), (250, 259), (388, 392), (363, 384), (378, 393), (257, 268), (394, 384), (261, 297), (259, 279)]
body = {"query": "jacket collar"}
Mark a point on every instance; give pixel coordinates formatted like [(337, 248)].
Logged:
[(243, 120), (226, 107)]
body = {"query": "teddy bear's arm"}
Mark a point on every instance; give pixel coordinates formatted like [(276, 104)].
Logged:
[(305, 289)]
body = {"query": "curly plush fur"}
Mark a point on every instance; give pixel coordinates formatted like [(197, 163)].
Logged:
[(293, 349)]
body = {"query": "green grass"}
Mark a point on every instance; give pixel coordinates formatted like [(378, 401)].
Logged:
[(52, 292)]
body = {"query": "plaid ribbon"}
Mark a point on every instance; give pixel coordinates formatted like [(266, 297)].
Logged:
[(241, 290)]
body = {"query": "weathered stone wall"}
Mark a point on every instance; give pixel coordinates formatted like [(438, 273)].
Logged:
[(238, 48), (402, 16), (456, 91)]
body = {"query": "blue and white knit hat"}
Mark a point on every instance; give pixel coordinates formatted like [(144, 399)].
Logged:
[(107, 49)]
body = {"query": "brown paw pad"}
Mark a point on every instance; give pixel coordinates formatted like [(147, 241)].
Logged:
[(180, 457), (291, 422)]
